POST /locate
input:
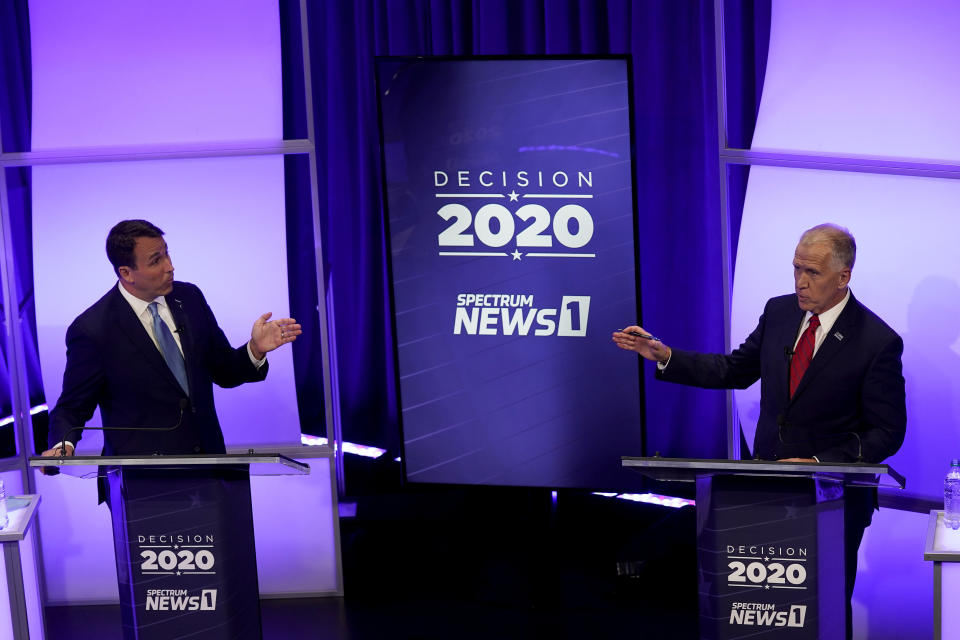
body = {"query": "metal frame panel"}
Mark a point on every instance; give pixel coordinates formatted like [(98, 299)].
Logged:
[(20, 400), (726, 268), (152, 152), (331, 394), (306, 453)]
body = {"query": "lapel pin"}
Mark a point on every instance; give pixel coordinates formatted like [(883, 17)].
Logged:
[(838, 335)]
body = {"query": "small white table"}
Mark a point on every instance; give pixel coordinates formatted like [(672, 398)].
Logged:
[(943, 548), (21, 511)]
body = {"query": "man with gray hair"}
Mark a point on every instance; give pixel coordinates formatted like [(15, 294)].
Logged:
[(831, 381)]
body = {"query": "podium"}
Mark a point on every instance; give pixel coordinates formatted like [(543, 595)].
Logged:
[(183, 537), (770, 543)]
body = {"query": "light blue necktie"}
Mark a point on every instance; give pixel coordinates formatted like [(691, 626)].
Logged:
[(168, 347)]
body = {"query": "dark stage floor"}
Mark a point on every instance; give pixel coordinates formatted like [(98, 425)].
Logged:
[(461, 563), (343, 619)]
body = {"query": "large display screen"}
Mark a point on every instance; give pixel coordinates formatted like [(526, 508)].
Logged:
[(510, 207)]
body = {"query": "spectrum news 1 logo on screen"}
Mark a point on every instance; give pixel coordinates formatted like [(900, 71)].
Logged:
[(532, 227)]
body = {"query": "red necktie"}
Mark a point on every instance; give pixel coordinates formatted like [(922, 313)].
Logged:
[(803, 354)]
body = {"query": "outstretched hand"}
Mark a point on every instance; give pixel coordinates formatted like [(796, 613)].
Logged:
[(648, 347), (268, 334)]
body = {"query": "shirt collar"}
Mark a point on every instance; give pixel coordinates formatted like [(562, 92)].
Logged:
[(828, 317), (139, 306)]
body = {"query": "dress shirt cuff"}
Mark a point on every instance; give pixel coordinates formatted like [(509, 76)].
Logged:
[(60, 444), (254, 361), (663, 365)]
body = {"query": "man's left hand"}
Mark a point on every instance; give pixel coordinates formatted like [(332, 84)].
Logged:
[(267, 335)]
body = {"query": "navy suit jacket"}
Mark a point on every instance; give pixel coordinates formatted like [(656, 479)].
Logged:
[(850, 403), (113, 363)]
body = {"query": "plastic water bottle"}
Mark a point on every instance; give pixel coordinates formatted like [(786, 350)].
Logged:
[(951, 496), (3, 506)]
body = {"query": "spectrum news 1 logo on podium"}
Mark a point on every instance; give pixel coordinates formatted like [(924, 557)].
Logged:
[(178, 555)]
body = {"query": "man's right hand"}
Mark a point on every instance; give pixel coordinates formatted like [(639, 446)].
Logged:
[(65, 449), (650, 349), (58, 451)]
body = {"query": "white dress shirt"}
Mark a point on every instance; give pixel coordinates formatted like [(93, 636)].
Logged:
[(827, 319), (141, 308)]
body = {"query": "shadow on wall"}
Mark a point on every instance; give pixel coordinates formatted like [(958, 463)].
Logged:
[(932, 370), (891, 567)]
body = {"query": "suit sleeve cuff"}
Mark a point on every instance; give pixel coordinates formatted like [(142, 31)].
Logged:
[(254, 361)]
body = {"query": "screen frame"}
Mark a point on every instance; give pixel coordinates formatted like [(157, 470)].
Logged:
[(640, 483)]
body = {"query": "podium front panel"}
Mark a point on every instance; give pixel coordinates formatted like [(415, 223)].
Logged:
[(185, 552), (770, 554)]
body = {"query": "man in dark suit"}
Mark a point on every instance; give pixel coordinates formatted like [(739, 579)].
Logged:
[(831, 382), (148, 353)]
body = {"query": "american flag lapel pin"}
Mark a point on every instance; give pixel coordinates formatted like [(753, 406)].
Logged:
[(838, 335)]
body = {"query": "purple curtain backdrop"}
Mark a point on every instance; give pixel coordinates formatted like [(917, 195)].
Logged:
[(15, 96), (672, 44), (747, 38)]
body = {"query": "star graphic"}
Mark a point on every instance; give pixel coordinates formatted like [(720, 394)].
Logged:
[(766, 559), (791, 512), (513, 195), (176, 546), (766, 586), (516, 254), (178, 573)]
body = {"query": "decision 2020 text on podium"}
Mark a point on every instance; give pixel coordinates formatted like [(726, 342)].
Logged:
[(183, 535), (769, 542)]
